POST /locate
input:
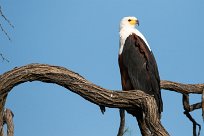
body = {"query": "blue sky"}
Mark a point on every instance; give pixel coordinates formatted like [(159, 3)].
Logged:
[(83, 36)]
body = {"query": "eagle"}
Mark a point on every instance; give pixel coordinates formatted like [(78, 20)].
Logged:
[(137, 64)]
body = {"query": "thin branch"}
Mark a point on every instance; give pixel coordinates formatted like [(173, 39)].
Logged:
[(186, 106), (188, 115), (8, 21), (3, 58), (5, 18), (187, 109), (4, 31), (195, 106)]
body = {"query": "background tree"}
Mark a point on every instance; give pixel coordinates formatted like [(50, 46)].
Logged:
[(52, 34)]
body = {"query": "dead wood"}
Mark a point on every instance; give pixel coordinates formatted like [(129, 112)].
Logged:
[(128, 100)]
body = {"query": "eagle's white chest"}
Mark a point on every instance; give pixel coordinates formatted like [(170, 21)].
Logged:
[(125, 32)]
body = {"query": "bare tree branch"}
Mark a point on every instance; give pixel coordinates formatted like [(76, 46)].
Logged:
[(4, 31), (8, 21), (187, 109), (121, 130), (3, 58), (8, 119), (186, 89), (128, 100), (5, 18), (182, 88)]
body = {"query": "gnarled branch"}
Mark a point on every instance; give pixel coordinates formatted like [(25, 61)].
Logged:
[(128, 100)]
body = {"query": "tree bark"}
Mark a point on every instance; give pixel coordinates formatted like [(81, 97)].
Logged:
[(128, 100), (8, 119)]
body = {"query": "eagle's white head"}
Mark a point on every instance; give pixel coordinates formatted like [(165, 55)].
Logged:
[(129, 22), (127, 27)]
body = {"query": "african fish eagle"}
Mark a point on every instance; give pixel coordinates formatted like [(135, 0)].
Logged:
[(137, 64)]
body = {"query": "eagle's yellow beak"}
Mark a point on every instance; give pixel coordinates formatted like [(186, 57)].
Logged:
[(134, 22)]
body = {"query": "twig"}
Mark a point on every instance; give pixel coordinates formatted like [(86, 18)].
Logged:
[(8, 21), (4, 31), (188, 115), (187, 109), (3, 58)]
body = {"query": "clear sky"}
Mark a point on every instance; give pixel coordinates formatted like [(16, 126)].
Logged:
[(82, 35)]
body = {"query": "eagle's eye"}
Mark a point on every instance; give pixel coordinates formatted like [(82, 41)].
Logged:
[(129, 20)]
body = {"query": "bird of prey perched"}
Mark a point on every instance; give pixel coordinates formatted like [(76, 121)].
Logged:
[(137, 64)]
